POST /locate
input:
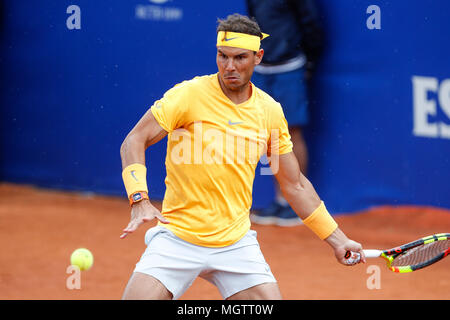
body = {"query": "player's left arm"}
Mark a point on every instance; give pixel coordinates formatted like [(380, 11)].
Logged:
[(304, 200)]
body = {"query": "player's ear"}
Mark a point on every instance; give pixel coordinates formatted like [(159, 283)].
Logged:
[(258, 56)]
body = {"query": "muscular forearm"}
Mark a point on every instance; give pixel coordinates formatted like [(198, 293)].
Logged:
[(304, 200), (132, 151), (337, 238), (301, 196), (146, 133)]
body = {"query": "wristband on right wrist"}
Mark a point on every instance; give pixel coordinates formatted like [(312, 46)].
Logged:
[(135, 178)]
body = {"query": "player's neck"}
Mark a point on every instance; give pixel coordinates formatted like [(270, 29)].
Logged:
[(237, 95)]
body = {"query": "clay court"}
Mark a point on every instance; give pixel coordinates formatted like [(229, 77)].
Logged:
[(40, 228)]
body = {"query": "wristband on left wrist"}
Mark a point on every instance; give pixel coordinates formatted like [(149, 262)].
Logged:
[(321, 222)]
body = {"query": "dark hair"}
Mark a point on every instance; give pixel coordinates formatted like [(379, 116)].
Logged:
[(239, 23)]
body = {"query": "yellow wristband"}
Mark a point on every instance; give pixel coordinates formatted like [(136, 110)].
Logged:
[(135, 178), (321, 222)]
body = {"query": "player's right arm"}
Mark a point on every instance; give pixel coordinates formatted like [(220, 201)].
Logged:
[(132, 151), (145, 133)]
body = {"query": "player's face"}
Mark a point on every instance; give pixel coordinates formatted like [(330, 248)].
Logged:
[(236, 66)]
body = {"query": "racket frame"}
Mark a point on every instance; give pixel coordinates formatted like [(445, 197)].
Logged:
[(390, 254)]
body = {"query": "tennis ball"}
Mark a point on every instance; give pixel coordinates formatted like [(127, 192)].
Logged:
[(82, 258)]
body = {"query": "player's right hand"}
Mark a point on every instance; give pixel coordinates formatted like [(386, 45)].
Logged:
[(142, 212)]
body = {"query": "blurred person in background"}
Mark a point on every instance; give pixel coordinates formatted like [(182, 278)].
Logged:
[(291, 54)]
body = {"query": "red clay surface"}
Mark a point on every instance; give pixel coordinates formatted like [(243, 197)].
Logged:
[(40, 228)]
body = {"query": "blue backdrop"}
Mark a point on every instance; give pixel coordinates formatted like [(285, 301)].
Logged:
[(380, 129)]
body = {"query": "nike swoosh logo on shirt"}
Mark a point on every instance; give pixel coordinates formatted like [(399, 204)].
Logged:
[(233, 123)]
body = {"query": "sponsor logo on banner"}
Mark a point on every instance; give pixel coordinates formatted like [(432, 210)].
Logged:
[(431, 107), (157, 10), (159, 1)]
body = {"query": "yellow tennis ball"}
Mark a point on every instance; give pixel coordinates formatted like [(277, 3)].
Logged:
[(82, 258)]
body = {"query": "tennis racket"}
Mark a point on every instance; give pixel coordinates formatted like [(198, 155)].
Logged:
[(411, 256)]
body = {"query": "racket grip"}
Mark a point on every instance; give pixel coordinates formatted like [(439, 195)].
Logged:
[(352, 257)]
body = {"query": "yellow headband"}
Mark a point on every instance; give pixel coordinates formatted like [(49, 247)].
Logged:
[(239, 40)]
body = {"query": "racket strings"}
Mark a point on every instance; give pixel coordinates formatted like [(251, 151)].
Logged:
[(421, 253)]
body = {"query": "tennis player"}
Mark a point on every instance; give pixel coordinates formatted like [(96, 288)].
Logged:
[(203, 229)]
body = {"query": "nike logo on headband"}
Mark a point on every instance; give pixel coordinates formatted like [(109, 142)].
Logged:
[(230, 38)]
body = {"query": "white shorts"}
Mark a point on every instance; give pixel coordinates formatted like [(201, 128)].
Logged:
[(177, 263)]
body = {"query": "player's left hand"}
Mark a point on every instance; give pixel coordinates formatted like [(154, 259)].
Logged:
[(352, 246), (341, 244)]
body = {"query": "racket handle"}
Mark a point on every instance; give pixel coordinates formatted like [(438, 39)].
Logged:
[(352, 257)]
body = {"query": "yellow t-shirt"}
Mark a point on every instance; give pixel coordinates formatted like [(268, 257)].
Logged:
[(213, 149)]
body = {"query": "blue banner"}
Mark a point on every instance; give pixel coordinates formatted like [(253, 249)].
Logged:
[(77, 76)]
